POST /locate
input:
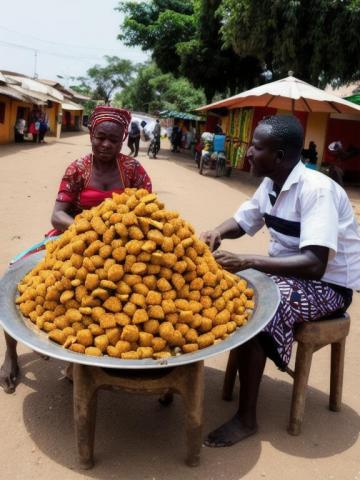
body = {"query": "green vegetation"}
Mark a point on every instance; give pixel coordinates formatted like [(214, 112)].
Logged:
[(152, 91), (223, 45)]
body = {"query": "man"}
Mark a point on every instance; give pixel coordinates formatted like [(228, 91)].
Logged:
[(314, 255), (134, 139), (157, 134)]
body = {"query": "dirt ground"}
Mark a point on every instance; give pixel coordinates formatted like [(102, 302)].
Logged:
[(136, 438)]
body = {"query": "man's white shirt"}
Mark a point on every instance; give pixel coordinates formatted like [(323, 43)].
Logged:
[(311, 209)]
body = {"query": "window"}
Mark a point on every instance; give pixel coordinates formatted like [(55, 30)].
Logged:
[(2, 112)]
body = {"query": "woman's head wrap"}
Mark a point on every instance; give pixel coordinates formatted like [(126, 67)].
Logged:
[(104, 113)]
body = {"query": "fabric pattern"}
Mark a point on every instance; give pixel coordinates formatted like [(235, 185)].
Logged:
[(301, 301), (78, 175)]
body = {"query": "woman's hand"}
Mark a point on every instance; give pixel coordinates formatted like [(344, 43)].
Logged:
[(232, 262), (212, 238)]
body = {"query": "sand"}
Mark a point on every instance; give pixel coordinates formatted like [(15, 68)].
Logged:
[(136, 438)]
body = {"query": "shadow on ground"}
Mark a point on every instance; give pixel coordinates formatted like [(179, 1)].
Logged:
[(137, 438)]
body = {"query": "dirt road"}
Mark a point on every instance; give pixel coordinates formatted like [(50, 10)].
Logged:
[(135, 437)]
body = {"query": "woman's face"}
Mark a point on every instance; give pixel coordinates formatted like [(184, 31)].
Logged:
[(107, 141)]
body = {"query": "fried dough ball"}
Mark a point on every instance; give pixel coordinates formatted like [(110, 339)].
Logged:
[(145, 339), (149, 246), (130, 333), (107, 320), (206, 340), (58, 336), (122, 319), (178, 281), (92, 281), (129, 219), (163, 285), (153, 298), (139, 268), (222, 317), (140, 316), (156, 311), (77, 347), (130, 355), (135, 233), (95, 329), (190, 347), (145, 352), (113, 335), (168, 306), (156, 236), (219, 331), (151, 326), (98, 225), (96, 352), (130, 279), (123, 346), (158, 344), (101, 342), (73, 315), (84, 337), (113, 304)]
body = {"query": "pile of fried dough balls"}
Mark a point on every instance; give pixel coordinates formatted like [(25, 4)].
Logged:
[(130, 279)]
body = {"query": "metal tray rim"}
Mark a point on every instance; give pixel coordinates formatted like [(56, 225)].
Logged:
[(267, 298)]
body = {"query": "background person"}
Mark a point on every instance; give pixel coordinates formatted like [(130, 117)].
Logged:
[(314, 256), (85, 184), (157, 134), (134, 139), (20, 130)]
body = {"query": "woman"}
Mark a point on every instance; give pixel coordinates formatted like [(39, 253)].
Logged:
[(86, 183)]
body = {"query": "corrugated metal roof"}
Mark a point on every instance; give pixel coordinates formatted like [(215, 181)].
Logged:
[(71, 106), (181, 115), (10, 92)]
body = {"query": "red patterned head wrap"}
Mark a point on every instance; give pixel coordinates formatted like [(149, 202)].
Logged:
[(104, 113)]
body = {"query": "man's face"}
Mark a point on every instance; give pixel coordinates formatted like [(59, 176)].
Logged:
[(107, 141), (262, 154)]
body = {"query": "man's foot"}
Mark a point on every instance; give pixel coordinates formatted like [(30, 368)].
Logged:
[(230, 433), (9, 373)]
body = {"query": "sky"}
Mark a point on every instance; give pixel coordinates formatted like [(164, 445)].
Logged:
[(69, 36)]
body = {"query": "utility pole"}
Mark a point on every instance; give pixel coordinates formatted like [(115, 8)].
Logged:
[(35, 63)]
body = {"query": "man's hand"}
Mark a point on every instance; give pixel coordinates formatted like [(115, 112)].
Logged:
[(231, 262), (212, 238)]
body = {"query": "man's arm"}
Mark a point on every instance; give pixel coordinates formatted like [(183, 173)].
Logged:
[(228, 229), (309, 264)]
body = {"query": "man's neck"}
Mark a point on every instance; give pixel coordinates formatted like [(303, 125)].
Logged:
[(279, 177)]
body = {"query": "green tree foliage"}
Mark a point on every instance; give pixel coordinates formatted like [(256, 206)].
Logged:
[(151, 90), (184, 38), (317, 39), (157, 25), (83, 86), (116, 74)]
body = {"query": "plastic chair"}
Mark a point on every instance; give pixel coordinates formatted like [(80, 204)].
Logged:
[(311, 336), (186, 380)]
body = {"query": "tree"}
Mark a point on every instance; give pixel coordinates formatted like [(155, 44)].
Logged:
[(153, 90), (317, 39), (84, 88), (184, 38), (116, 74)]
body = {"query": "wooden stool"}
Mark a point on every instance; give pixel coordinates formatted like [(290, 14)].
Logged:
[(311, 336), (186, 380)]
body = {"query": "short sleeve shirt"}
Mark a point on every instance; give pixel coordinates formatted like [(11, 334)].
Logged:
[(310, 209)]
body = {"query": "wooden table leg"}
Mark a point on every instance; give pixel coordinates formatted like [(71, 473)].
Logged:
[(84, 414), (192, 392)]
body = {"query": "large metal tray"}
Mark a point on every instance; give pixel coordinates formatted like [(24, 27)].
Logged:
[(267, 299)]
